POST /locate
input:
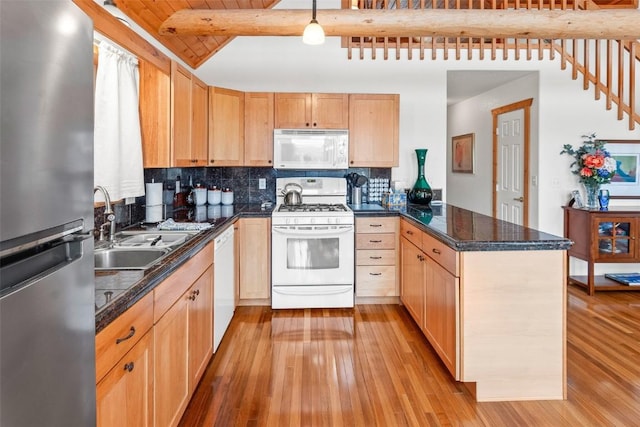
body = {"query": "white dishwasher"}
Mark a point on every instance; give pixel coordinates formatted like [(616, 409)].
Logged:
[(223, 284)]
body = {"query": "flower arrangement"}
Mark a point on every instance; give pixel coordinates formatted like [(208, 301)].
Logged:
[(594, 165)]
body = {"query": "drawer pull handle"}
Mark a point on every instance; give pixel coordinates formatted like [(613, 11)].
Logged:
[(375, 241), (375, 225), (132, 332), (375, 274), (375, 257), (191, 297), (410, 233), (129, 366), (436, 251), (196, 292)]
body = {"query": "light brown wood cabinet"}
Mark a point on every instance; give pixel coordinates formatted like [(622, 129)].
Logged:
[(412, 273), (226, 127), (183, 311), (254, 240), (373, 130), (311, 110), (376, 256), (430, 291), (125, 394), (188, 118), (258, 128), (155, 122), (124, 368)]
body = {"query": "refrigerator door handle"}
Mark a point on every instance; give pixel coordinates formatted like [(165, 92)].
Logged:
[(36, 263)]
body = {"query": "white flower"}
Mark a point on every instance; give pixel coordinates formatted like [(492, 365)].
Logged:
[(610, 164)]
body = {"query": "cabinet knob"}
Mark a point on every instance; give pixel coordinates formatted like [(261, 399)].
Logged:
[(211, 161), (351, 162), (315, 125), (194, 161), (269, 161), (129, 366), (306, 124)]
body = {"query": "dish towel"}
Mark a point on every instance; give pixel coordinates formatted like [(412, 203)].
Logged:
[(117, 136), (170, 224)]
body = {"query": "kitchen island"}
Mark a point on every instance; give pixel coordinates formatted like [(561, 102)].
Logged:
[(490, 296)]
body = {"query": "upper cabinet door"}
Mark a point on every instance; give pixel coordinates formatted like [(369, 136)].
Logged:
[(311, 111), (181, 115), (292, 110), (258, 128), (226, 127), (373, 130), (199, 122), (155, 123), (330, 110)]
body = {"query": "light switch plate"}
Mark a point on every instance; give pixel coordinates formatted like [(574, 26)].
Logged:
[(437, 194), (262, 183)]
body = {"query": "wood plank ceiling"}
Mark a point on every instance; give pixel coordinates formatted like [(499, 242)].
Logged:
[(195, 50)]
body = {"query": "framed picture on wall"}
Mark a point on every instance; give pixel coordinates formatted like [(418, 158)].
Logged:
[(625, 184), (462, 149)]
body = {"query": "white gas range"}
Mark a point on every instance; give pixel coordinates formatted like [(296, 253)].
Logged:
[(313, 246)]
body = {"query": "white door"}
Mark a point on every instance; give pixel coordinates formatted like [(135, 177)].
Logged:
[(510, 189)]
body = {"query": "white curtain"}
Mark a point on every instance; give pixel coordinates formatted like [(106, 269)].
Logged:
[(117, 139)]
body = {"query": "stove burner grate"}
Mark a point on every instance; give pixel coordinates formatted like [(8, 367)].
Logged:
[(315, 207)]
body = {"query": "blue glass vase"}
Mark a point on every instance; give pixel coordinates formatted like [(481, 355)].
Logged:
[(421, 192)]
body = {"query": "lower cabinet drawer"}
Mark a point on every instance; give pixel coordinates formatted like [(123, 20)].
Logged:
[(122, 334), (376, 281), (376, 241), (441, 253), (376, 257)]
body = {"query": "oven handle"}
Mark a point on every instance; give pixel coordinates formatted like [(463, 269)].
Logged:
[(312, 231), (313, 290)]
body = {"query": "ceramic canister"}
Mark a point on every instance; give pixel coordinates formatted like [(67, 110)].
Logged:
[(214, 196)]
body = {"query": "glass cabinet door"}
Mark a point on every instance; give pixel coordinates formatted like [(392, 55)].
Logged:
[(616, 238)]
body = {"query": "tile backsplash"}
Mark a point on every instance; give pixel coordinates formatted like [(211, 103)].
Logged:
[(242, 180)]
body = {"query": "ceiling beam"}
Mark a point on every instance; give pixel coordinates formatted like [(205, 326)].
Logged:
[(551, 24)]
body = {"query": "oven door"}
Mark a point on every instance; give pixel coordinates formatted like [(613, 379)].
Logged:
[(312, 255)]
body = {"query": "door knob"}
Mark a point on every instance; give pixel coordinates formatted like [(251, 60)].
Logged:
[(519, 199)]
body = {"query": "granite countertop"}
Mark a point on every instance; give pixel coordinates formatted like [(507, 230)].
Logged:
[(465, 230), (117, 290), (460, 229)]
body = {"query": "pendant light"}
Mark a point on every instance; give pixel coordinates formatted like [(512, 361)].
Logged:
[(313, 32)]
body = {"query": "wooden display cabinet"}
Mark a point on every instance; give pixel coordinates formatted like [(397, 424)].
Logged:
[(602, 237)]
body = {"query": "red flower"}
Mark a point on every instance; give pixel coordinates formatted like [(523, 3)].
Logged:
[(593, 161), (586, 172)]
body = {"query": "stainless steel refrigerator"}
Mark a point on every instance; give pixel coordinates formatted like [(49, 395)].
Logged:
[(47, 316)]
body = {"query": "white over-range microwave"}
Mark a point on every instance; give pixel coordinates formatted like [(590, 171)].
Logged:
[(310, 149)]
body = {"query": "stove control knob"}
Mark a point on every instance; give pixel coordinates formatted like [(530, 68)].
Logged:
[(330, 220)]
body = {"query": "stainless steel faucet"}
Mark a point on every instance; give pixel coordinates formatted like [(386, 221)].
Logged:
[(108, 212)]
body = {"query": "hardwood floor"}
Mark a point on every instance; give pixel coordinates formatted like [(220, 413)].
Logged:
[(372, 366)]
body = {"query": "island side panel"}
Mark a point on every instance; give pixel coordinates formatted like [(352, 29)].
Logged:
[(513, 317)]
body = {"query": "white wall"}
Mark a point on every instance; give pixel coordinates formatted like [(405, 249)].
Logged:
[(473, 115)]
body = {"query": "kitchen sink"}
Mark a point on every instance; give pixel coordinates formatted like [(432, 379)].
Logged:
[(146, 239), (128, 258)]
